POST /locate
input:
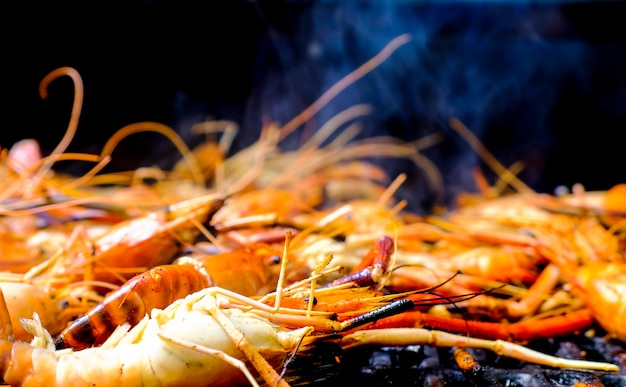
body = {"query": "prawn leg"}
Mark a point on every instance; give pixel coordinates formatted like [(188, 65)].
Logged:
[(241, 366), (420, 336), (191, 342), (527, 305), (268, 373), (518, 331)]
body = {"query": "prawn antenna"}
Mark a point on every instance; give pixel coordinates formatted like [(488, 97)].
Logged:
[(74, 117), (169, 133), (343, 83), (480, 149), (290, 359), (391, 309)]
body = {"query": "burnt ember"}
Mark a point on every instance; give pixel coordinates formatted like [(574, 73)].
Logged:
[(423, 365)]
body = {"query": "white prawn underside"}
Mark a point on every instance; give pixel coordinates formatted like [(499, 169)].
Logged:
[(170, 348)]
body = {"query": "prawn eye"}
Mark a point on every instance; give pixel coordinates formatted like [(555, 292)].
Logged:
[(64, 304), (150, 181), (274, 259), (307, 298)]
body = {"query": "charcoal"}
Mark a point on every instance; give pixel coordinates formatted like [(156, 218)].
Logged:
[(423, 365)]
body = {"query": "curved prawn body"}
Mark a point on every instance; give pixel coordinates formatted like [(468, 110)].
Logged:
[(162, 285), (589, 256), (261, 215), (133, 246), (249, 271), (470, 248), (156, 288), (591, 260), (30, 238), (192, 342), (602, 285), (491, 263)]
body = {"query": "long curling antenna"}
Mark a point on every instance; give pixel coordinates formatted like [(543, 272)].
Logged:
[(343, 83), (73, 123), (149, 126), (505, 174), (47, 162)]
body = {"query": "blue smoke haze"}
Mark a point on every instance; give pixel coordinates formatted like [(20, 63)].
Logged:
[(538, 82), (502, 68)]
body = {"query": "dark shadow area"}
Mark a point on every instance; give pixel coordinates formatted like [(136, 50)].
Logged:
[(541, 83)]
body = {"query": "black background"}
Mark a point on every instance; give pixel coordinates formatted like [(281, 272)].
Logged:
[(538, 82)]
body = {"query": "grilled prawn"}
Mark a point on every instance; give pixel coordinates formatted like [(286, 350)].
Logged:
[(193, 342), (162, 285)]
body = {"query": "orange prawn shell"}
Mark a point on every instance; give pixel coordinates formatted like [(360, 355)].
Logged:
[(248, 271), (139, 239), (23, 300), (603, 286), (136, 245)]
